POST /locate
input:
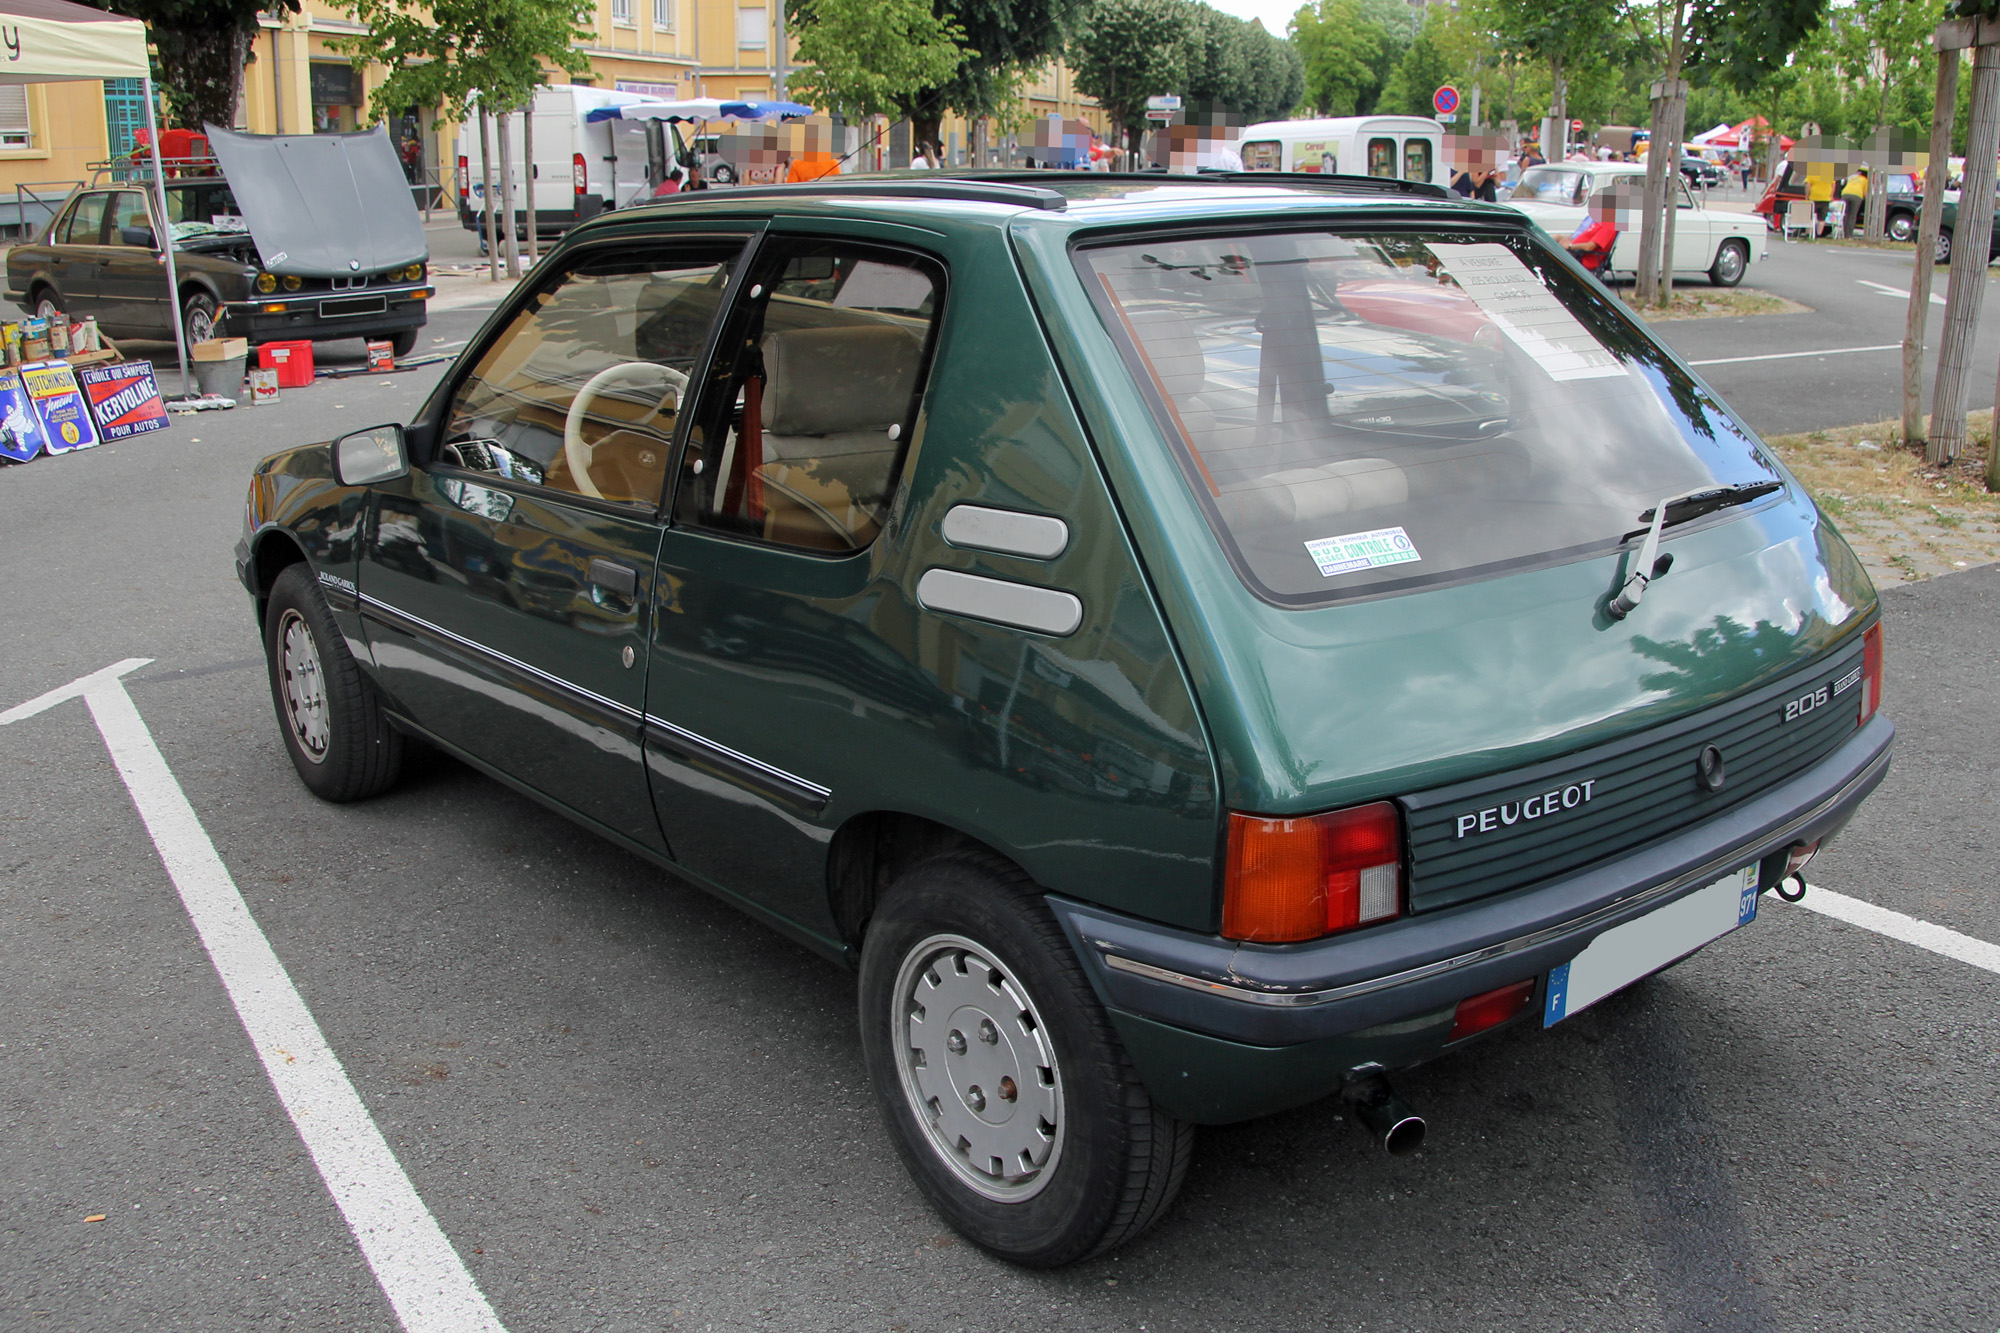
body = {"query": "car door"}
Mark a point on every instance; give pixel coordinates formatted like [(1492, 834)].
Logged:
[(1694, 233), (80, 255), (507, 583), (776, 651), (132, 278)]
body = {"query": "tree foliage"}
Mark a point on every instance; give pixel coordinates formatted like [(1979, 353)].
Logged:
[(870, 57), (1424, 68), (440, 53), (1132, 50), (201, 48), (1349, 49), (1242, 67)]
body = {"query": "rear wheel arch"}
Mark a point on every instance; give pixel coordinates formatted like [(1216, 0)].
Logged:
[(872, 850)]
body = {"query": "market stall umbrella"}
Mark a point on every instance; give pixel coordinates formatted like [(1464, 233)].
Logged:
[(699, 108), (54, 41)]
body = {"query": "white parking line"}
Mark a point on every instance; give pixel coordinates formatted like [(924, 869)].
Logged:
[(1900, 293), (1937, 939), (1787, 356), (419, 1272)]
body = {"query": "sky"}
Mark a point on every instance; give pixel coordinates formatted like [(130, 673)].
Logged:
[(1275, 13)]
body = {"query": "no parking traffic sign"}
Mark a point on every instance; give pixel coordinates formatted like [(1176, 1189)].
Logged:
[(1445, 100)]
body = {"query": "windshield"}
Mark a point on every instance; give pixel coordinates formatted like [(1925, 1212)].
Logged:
[(1369, 413), (1552, 185)]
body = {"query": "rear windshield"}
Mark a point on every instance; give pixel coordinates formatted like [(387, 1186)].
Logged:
[(1362, 414), (1552, 185)]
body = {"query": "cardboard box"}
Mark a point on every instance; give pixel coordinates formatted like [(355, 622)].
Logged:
[(221, 349)]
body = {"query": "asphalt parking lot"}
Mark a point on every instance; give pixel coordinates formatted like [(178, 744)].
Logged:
[(624, 1106)]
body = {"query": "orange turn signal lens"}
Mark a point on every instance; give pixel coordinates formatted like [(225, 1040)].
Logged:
[(1298, 879), (1871, 670)]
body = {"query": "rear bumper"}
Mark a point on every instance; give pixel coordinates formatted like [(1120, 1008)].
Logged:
[(1201, 1013)]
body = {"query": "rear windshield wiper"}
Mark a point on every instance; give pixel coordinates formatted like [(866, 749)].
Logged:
[(1678, 509)]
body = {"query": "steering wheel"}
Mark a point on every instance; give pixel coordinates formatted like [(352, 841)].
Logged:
[(575, 449)]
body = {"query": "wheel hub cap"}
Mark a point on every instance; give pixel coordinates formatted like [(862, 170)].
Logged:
[(304, 686), (979, 1068)]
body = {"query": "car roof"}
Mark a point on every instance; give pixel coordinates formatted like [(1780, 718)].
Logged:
[(1070, 200)]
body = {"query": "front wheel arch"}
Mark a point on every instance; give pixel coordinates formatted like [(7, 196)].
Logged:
[(271, 553)]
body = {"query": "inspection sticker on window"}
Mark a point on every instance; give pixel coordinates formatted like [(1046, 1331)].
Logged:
[(1361, 550), (1510, 294)]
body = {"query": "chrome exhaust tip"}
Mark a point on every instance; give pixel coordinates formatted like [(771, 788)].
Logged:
[(1388, 1117)]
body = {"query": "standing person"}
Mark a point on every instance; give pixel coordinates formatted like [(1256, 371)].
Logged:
[(1819, 189), (1854, 194)]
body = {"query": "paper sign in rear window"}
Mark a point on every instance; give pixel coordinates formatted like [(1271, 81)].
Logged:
[(125, 399)]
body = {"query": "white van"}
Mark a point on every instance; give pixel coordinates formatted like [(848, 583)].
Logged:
[(581, 169), (1396, 147)]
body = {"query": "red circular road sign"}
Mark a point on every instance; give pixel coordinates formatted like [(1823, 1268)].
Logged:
[(1445, 100)]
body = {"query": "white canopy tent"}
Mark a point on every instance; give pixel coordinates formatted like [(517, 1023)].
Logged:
[(59, 42)]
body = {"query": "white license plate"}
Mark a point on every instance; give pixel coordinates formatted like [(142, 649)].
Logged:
[(1623, 954)]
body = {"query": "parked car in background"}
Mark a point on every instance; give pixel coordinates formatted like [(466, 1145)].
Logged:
[(1194, 645), (1948, 229), (1790, 187), (1718, 244), (1700, 173), (288, 237)]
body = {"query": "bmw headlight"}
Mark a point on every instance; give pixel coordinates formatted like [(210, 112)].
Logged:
[(267, 282)]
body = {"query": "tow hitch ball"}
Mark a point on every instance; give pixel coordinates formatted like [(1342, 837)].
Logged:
[(1388, 1117)]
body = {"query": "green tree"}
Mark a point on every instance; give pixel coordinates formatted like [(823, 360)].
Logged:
[(870, 57), (439, 54), (1423, 69), (1343, 54), (1131, 50), (1564, 34), (1277, 77), (1884, 43), (200, 48), (1241, 67)]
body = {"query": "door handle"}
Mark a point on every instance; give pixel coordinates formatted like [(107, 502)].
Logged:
[(614, 577)]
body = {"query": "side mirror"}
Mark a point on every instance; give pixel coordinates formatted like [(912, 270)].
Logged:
[(139, 236), (369, 456)]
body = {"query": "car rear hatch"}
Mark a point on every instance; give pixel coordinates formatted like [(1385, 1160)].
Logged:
[(1418, 508)]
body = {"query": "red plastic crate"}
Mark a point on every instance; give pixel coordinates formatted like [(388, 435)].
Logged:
[(292, 360)]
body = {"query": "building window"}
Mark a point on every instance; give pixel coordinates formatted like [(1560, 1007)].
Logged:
[(14, 131), (124, 114), (751, 29), (621, 12), (663, 15)]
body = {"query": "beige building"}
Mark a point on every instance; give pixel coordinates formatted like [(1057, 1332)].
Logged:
[(50, 134)]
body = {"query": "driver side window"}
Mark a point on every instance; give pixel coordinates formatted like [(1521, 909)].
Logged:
[(581, 392)]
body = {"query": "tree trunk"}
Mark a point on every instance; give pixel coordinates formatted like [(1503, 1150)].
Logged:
[(1935, 171), (486, 193), (1968, 259), (201, 73), (528, 177), (1676, 126), (1648, 290), (509, 223), (926, 137)]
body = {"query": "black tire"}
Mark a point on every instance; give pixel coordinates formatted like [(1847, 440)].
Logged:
[(1902, 227), (1731, 260), (1942, 253), (344, 750), (722, 174), (1117, 1160), (198, 318), (403, 342)]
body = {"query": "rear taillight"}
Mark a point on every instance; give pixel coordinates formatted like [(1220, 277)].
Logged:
[(1298, 879), (1871, 670), (577, 170), (464, 176)]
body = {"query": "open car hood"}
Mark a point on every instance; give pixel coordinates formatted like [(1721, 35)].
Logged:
[(322, 205)]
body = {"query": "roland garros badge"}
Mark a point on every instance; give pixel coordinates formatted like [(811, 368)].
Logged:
[(58, 401)]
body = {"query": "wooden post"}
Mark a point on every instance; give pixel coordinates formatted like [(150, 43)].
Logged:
[(1935, 171), (1968, 258)]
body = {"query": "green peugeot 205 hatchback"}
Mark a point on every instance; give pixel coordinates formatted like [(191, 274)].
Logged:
[(1194, 646)]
